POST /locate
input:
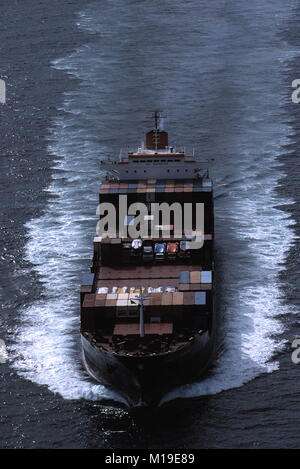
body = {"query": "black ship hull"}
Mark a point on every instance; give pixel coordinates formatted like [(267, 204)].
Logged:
[(143, 381)]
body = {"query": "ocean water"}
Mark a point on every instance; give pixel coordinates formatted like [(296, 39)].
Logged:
[(222, 73)]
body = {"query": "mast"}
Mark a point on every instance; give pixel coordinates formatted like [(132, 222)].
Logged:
[(157, 117), (157, 139), (141, 299), (142, 323)]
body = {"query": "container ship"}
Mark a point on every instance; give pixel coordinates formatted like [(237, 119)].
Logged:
[(147, 315)]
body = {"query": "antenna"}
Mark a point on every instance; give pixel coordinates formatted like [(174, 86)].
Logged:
[(158, 117), (158, 120)]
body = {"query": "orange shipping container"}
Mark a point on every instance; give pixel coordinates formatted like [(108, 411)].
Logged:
[(195, 277)]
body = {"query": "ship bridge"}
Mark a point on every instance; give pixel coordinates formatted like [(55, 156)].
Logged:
[(156, 160)]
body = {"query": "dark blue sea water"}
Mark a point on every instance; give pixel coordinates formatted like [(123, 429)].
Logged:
[(82, 79)]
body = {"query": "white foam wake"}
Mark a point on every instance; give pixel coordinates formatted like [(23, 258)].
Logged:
[(47, 349), (251, 325)]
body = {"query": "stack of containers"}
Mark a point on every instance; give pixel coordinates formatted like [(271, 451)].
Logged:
[(195, 280)]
